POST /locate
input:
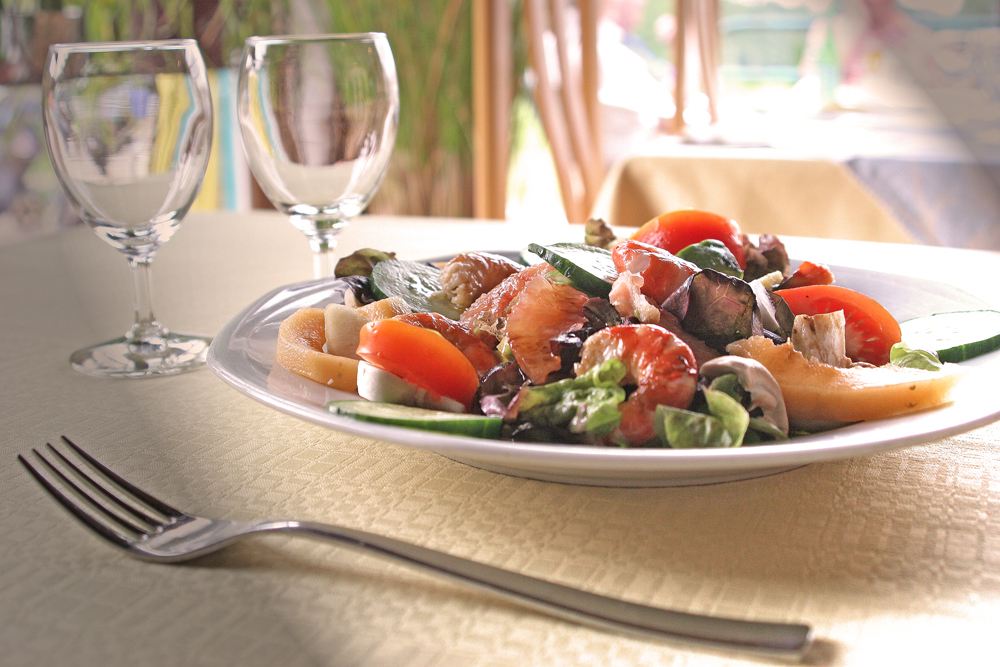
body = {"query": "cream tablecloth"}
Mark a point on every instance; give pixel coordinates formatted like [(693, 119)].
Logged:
[(893, 558)]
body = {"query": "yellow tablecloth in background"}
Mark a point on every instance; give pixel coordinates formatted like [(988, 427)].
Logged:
[(893, 175), (893, 558), (764, 193)]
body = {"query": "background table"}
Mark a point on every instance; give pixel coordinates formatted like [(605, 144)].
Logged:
[(898, 177), (893, 558)]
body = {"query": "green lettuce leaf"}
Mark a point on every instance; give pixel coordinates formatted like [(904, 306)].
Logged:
[(902, 355), (758, 430), (587, 404), (724, 426)]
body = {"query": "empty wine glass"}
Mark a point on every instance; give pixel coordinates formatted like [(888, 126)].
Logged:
[(319, 116), (128, 127)]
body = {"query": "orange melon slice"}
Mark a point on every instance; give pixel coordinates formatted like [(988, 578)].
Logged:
[(301, 337), (819, 394)]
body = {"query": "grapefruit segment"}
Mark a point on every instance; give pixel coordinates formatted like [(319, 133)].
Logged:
[(543, 310)]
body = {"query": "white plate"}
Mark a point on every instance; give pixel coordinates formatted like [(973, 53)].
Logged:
[(242, 354)]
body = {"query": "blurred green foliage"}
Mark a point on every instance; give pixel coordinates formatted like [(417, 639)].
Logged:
[(432, 44)]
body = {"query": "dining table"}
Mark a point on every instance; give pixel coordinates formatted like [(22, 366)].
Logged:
[(894, 175), (890, 555)]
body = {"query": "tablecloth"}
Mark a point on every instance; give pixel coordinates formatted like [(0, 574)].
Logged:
[(893, 558), (763, 191), (891, 176)]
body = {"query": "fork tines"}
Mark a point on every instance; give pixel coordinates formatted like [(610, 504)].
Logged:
[(96, 495)]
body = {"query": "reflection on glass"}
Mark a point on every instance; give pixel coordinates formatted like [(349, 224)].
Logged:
[(319, 116), (128, 126)]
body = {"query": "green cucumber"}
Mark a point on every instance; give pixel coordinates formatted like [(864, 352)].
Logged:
[(416, 283), (955, 336), (588, 268), (476, 426), (528, 258)]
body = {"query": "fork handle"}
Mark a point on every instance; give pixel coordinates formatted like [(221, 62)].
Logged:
[(785, 640)]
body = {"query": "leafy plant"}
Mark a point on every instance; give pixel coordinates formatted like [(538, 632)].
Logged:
[(431, 173)]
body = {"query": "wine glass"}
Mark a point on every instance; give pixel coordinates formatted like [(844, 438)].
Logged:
[(319, 115), (128, 127)]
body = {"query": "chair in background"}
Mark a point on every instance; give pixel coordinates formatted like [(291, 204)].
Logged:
[(562, 46), (697, 36), (492, 96), (563, 60), (566, 81)]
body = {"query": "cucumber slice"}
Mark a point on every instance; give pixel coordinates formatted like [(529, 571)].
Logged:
[(528, 258), (589, 268), (954, 336), (417, 284), (476, 426)]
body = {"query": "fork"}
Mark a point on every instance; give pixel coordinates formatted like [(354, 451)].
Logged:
[(148, 528)]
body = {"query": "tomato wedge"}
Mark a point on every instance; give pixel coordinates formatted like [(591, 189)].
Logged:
[(421, 356), (870, 330), (676, 230)]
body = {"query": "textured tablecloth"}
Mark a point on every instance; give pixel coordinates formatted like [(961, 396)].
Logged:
[(893, 558)]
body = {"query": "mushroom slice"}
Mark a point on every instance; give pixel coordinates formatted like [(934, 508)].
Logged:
[(822, 337), (765, 394)]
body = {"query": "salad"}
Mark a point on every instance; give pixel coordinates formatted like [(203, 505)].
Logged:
[(685, 334)]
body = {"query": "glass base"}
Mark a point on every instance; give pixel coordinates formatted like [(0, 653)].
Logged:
[(127, 358)]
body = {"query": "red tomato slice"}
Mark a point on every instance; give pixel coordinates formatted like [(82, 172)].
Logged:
[(421, 356), (677, 230), (870, 329)]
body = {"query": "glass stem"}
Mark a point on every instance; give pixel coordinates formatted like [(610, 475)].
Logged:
[(324, 257), (145, 326)]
